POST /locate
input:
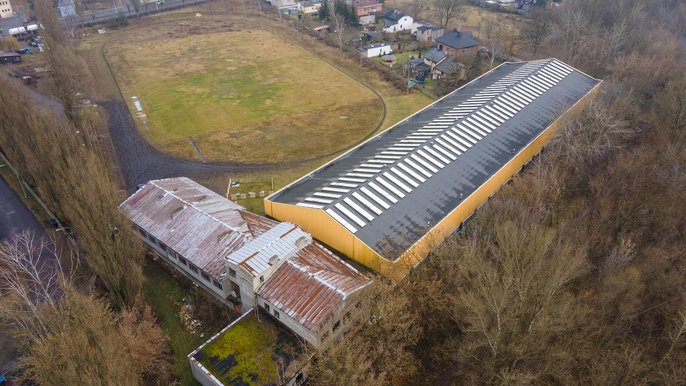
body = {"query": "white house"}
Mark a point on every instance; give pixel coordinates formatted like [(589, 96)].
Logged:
[(243, 259), (395, 21), (5, 9), (374, 50), (309, 6)]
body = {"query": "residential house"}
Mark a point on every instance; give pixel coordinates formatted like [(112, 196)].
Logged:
[(374, 50), (5, 9), (395, 21), (449, 67), (416, 68), (428, 33), (456, 43), (243, 259), (368, 8), (9, 57), (433, 56), (310, 6)]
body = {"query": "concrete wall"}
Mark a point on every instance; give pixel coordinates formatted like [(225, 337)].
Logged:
[(297, 328), (220, 294)]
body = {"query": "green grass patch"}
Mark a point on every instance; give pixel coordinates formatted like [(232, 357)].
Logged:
[(248, 96), (165, 295), (248, 352)]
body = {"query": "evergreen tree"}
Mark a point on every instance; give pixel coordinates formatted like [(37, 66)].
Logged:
[(324, 11)]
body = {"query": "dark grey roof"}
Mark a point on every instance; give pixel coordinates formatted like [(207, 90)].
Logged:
[(394, 15), (448, 65), (458, 40), (390, 190), (426, 27), (434, 55)]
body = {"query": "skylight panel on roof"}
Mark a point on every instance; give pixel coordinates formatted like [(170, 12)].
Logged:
[(330, 195), (368, 204), (320, 200), (339, 190), (306, 205), (347, 185), (455, 134), (374, 197), (436, 154), (383, 193), (350, 179), (404, 177), (362, 175), (390, 187), (411, 172), (358, 209), (418, 168), (431, 159), (350, 214), (446, 137), (397, 181), (341, 221), (446, 152)]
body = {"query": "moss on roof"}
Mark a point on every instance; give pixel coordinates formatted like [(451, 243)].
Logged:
[(251, 352)]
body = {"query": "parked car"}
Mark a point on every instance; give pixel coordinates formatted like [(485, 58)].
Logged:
[(24, 51), (33, 43)]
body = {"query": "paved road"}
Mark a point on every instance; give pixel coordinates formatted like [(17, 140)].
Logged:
[(14, 216), (140, 162)]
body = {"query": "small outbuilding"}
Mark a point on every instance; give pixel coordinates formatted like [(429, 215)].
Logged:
[(374, 50), (9, 57), (388, 60)]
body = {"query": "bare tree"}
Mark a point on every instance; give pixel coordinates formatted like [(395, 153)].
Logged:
[(339, 23), (446, 11), (538, 27), (31, 276), (417, 8)]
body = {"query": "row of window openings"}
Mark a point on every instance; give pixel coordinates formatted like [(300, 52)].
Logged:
[(182, 260)]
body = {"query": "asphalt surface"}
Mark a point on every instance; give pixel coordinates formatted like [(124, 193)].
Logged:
[(140, 162), (14, 216)]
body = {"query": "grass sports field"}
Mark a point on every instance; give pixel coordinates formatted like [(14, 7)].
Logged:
[(249, 96)]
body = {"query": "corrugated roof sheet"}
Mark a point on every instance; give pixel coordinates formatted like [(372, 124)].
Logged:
[(309, 286), (393, 188), (192, 220)]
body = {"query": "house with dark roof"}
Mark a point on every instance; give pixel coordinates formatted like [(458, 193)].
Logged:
[(396, 21), (417, 68), (449, 67), (457, 43), (243, 259), (433, 56)]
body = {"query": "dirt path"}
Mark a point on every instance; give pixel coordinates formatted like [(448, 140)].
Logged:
[(139, 162)]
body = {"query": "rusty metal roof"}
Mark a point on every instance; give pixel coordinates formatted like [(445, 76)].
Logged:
[(309, 286), (195, 222)]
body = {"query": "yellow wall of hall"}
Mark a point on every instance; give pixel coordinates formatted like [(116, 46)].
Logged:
[(325, 229)]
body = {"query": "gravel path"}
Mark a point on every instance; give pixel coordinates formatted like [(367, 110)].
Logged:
[(140, 162)]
